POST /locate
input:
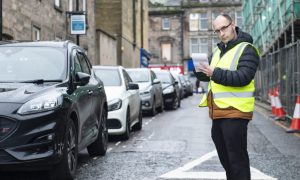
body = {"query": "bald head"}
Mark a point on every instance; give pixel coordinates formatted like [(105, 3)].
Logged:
[(224, 27)]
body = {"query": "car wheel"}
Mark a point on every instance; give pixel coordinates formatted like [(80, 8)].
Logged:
[(66, 168), (138, 126), (153, 110), (99, 147), (175, 103), (179, 103), (161, 107), (126, 134)]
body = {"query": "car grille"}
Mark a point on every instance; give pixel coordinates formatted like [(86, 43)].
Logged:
[(6, 127), (5, 157)]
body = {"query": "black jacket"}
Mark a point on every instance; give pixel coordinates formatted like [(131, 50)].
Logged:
[(246, 68)]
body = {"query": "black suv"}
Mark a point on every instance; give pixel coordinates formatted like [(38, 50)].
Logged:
[(51, 107)]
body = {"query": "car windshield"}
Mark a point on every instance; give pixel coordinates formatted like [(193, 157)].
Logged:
[(110, 77), (19, 64), (164, 77), (139, 76)]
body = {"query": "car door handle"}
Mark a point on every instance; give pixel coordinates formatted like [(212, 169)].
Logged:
[(90, 92)]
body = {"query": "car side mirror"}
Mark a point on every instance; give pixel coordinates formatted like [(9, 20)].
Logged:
[(156, 81), (133, 86), (82, 79)]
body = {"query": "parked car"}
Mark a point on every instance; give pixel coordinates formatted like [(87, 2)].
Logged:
[(51, 107), (124, 101), (180, 84), (189, 84), (150, 89), (171, 91)]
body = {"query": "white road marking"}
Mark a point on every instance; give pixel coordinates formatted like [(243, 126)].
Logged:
[(185, 173), (109, 149), (118, 143), (123, 146)]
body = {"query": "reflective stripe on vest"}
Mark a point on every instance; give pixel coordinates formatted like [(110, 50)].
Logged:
[(232, 95)]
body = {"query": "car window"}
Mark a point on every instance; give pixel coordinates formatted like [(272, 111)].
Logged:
[(110, 77), (77, 66), (83, 62), (153, 76), (31, 63), (164, 77), (126, 78), (139, 76)]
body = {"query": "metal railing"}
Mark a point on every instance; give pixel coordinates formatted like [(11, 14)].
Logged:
[(280, 69)]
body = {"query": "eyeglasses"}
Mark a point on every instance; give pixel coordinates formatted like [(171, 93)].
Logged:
[(217, 31)]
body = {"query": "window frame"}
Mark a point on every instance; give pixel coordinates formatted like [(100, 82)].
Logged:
[(163, 25)]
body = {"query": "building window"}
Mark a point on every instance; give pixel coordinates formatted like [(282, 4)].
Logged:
[(204, 0), (36, 31), (198, 45), (166, 24), (57, 3), (214, 15), (194, 22), (166, 51), (214, 42), (203, 21), (238, 19)]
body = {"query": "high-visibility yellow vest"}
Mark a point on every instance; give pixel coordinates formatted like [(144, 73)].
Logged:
[(241, 98)]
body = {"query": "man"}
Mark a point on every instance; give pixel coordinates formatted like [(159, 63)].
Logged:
[(230, 95)]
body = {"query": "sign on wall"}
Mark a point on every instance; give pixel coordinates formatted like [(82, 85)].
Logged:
[(78, 25)]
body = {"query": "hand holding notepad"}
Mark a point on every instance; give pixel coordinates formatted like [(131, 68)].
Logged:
[(200, 60)]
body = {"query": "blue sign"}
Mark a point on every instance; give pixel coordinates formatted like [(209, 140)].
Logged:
[(78, 25)]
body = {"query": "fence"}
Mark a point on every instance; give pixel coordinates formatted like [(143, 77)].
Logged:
[(280, 69)]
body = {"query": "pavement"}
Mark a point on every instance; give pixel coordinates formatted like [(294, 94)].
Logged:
[(266, 111)]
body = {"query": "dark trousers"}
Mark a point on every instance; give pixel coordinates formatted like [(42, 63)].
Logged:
[(230, 138)]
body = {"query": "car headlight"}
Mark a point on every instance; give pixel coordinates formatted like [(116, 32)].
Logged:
[(114, 104), (40, 104), (146, 91), (168, 90)]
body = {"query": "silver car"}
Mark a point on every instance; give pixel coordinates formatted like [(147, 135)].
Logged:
[(150, 89)]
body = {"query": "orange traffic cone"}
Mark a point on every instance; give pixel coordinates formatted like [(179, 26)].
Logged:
[(279, 109), (295, 125), (272, 98)]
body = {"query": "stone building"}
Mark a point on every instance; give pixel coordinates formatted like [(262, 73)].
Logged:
[(127, 22), (190, 28), (48, 20)]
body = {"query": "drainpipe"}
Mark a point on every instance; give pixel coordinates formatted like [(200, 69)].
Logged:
[(77, 9), (1, 10), (134, 23)]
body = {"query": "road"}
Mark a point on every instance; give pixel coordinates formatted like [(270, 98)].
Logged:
[(177, 145)]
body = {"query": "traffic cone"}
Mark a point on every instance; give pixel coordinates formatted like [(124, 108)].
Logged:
[(279, 109), (271, 96), (295, 125)]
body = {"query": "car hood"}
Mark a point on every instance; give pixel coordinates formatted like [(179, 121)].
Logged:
[(114, 92), (144, 86), (165, 85), (20, 92)]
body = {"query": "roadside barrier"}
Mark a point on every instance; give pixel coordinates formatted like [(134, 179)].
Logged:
[(295, 125)]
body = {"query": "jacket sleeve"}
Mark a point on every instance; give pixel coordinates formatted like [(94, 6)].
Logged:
[(245, 72)]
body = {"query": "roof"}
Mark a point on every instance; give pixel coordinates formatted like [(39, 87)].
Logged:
[(61, 44)]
